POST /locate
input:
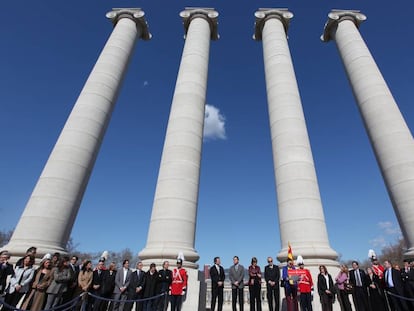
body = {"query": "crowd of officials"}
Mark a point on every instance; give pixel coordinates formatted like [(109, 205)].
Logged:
[(61, 281), (384, 287)]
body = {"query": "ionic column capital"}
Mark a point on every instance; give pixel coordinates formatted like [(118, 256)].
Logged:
[(264, 14), (337, 16), (135, 14), (209, 14)]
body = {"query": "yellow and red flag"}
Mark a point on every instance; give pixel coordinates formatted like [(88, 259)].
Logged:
[(290, 254)]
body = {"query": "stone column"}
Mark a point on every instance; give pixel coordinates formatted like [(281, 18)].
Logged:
[(301, 217), (50, 213), (174, 212), (389, 135)]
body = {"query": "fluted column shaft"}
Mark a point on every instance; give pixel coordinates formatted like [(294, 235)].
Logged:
[(50, 213), (388, 132), (301, 217), (173, 220)]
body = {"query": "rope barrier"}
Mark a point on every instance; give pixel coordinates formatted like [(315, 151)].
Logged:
[(66, 306), (73, 303), (126, 300), (398, 296)]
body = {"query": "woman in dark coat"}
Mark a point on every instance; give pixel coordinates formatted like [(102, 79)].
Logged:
[(375, 294), (151, 278), (326, 289)]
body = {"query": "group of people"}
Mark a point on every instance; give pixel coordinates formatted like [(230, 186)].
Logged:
[(60, 281), (236, 275), (367, 288)]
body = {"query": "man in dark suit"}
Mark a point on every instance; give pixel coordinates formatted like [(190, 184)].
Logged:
[(98, 278), (6, 269), (272, 277), (217, 284), (163, 286), (135, 289), (358, 279), (394, 284)]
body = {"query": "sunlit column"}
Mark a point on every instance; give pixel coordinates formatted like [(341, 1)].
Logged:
[(301, 217), (50, 213), (389, 135), (174, 212)]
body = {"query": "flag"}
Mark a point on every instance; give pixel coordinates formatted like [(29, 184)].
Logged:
[(290, 254)]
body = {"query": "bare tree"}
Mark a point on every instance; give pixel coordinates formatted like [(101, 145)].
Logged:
[(5, 237), (394, 252)]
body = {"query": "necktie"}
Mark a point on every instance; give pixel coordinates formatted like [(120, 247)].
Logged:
[(358, 278)]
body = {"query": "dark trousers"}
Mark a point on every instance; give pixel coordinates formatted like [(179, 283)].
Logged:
[(255, 299), (176, 302), (12, 299), (162, 304), (326, 302), (216, 295), (396, 303), (273, 297), (305, 301), (360, 298), (237, 292), (344, 300)]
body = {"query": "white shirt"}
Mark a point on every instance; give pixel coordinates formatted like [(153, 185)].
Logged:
[(327, 280)]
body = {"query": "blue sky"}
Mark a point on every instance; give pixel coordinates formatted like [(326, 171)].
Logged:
[(49, 47)]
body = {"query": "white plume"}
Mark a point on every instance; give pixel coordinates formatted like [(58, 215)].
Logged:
[(181, 256), (105, 255)]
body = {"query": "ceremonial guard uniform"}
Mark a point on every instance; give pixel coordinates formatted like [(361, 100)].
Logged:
[(305, 286), (178, 286)]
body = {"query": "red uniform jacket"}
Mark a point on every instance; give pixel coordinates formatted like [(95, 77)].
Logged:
[(179, 281), (305, 283)]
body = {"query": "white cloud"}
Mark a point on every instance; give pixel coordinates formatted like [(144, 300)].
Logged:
[(146, 83), (214, 123), (388, 233), (378, 242), (389, 228)]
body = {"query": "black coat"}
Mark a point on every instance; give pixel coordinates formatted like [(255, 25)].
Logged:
[(164, 280), (136, 281), (216, 276), (272, 274)]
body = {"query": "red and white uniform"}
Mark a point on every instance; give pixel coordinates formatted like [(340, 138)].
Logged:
[(305, 282), (378, 270), (179, 281)]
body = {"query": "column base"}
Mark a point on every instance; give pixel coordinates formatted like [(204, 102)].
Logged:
[(195, 298), (157, 255), (409, 253)]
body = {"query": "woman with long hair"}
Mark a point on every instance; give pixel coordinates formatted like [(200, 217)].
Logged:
[(42, 279), (326, 289), (342, 282), (84, 282)]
